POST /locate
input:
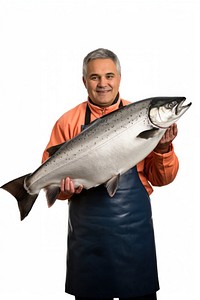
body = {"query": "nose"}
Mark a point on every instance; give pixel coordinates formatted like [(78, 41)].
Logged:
[(102, 81)]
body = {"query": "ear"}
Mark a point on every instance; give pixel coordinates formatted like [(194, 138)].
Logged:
[(119, 79), (84, 81)]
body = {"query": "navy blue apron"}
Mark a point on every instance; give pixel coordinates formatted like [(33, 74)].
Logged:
[(111, 247)]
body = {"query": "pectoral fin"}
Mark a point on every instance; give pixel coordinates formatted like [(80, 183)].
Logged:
[(148, 133), (112, 184)]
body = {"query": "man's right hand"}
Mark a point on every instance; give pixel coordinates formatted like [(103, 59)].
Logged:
[(67, 187)]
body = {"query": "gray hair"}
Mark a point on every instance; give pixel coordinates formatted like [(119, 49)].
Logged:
[(101, 53)]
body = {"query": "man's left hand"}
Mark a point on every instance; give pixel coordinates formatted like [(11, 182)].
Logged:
[(166, 140)]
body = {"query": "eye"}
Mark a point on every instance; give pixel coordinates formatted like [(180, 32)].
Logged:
[(94, 77), (170, 105), (110, 76)]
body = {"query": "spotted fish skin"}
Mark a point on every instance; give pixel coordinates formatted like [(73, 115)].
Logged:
[(109, 147)]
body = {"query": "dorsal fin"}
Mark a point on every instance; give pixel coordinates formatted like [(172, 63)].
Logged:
[(52, 150)]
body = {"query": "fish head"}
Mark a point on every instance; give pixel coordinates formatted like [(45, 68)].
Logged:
[(164, 111)]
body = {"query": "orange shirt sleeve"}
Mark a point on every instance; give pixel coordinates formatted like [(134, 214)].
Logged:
[(57, 137), (158, 169), (66, 127)]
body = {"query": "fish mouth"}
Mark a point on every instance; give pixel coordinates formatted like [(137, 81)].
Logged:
[(180, 108)]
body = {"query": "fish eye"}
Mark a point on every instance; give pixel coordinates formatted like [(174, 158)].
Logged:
[(170, 105)]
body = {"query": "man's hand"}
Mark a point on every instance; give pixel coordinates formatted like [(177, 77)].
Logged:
[(67, 187), (166, 140)]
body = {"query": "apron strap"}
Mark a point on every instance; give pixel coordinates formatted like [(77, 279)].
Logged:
[(88, 113)]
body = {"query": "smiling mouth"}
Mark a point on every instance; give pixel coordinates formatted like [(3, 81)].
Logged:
[(103, 91)]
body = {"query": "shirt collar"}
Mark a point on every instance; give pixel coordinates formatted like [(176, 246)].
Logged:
[(98, 111)]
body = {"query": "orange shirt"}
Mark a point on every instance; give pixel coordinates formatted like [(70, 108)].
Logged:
[(156, 169)]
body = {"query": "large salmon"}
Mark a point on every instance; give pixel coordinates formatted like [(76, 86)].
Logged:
[(109, 147)]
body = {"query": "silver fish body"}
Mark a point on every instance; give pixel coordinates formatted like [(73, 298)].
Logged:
[(109, 147)]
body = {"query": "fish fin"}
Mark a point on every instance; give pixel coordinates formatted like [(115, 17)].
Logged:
[(24, 199), (52, 150), (112, 184), (52, 192), (148, 133)]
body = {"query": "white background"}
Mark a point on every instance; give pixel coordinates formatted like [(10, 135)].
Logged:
[(42, 45)]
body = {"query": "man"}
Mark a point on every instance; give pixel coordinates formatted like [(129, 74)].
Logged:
[(111, 248)]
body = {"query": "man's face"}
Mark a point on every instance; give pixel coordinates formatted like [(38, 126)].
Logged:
[(102, 81)]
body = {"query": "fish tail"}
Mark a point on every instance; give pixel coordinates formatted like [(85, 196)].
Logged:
[(24, 199)]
